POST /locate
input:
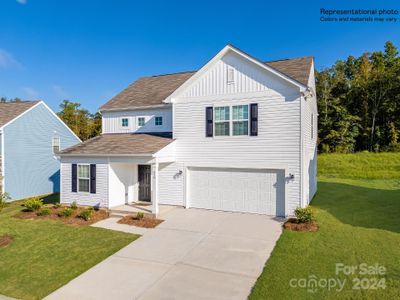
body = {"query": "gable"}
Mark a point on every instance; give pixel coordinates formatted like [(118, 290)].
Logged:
[(11, 110), (247, 78)]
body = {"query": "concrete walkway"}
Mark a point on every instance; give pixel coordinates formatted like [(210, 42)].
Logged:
[(193, 254)]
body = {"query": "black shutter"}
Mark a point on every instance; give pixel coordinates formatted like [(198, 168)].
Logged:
[(254, 119), (209, 121), (93, 179), (74, 179)]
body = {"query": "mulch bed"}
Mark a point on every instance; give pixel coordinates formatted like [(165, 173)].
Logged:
[(97, 215), (293, 225), (145, 222), (5, 240)]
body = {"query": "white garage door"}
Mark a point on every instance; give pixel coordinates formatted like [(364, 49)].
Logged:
[(241, 190)]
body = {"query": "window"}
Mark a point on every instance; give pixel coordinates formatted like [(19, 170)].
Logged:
[(141, 121), (83, 178), (222, 121), (312, 126), (240, 120), (158, 121), (231, 75), (124, 122), (56, 144)]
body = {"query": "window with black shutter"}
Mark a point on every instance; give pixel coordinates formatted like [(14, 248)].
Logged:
[(254, 119)]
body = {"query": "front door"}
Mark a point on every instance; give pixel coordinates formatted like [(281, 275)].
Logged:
[(144, 182)]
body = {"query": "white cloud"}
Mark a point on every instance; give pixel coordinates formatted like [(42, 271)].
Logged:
[(7, 60), (30, 92), (60, 92), (22, 1)]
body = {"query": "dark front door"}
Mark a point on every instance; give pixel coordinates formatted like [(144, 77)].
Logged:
[(144, 182)]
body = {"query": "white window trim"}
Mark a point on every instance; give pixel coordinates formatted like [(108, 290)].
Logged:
[(155, 121), (122, 122), (59, 144), (137, 121), (225, 121), (242, 120), (77, 178), (230, 75)]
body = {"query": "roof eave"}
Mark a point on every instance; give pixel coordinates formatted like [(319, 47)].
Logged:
[(163, 105)]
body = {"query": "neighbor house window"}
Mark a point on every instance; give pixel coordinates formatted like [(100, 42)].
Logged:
[(158, 121), (83, 178), (222, 120), (312, 126), (141, 121), (240, 120), (125, 122), (56, 144)]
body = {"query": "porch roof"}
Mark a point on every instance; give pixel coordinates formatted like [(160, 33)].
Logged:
[(120, 144)]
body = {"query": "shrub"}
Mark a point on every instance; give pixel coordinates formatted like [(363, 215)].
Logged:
[(66, 212), (57, 205), (74, 205), (86, 214), (45, 211), (33, 204), (4, 197), (139, 215), (304, 215)]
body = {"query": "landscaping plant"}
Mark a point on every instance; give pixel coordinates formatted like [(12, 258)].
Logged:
[(4, 197), (57, 205), (66, 212), (33, 204), (86, 214), (304, 215), (45, 211), (139, 215), (74, 205)]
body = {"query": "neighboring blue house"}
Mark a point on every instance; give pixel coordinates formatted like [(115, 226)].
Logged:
[(31, 135)]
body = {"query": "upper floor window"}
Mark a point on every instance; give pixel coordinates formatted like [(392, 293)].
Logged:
[(141, 121), (158, 121), (56, 144), (222, 120), (124, 122), (83, 178), (240, 120), (230, 75)]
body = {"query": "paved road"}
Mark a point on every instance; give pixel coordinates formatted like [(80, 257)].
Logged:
[(193, 254)]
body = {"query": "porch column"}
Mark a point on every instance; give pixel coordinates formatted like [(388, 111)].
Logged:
[(154, 182)]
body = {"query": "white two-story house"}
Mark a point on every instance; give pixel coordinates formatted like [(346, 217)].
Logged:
[(237, 135)]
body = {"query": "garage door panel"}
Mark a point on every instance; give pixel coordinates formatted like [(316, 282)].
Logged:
[(242, 190)]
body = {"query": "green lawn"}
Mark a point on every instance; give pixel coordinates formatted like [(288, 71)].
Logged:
[(47, 254), (357, 207)]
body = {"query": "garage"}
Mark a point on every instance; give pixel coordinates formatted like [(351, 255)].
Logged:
[(239, 190)]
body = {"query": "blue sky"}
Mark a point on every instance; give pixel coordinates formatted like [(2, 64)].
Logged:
[(88, 51)]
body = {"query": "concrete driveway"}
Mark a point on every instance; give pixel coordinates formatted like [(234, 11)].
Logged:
[(194, 254)]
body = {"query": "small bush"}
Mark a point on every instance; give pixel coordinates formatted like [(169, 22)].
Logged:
[(74, 205), (4, 197), (57, 205), (304, 215), (45, 211), (139, 215), (33, 204), (86, 214), (66, 212)]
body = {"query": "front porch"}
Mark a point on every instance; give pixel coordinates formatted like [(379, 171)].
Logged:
[(146, 208)]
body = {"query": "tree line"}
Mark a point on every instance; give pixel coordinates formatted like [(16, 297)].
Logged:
[(358, 103)]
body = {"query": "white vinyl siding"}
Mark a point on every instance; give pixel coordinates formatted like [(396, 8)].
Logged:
[(84, 198), (112, 121), (171, 183)]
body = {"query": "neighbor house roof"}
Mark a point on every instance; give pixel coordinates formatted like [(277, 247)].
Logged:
[(10, 110), (153, 90), (120, 144)]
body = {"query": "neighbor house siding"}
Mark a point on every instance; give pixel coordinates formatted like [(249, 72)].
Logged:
[(170, 183), (112, 120), (100, 198), (31, 167), (278, 142)]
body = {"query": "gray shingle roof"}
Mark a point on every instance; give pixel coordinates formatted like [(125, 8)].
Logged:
[(120, 144), (10, 110), (152, 90)]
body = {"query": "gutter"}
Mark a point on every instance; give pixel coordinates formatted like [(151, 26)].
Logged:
[(136, 108)]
